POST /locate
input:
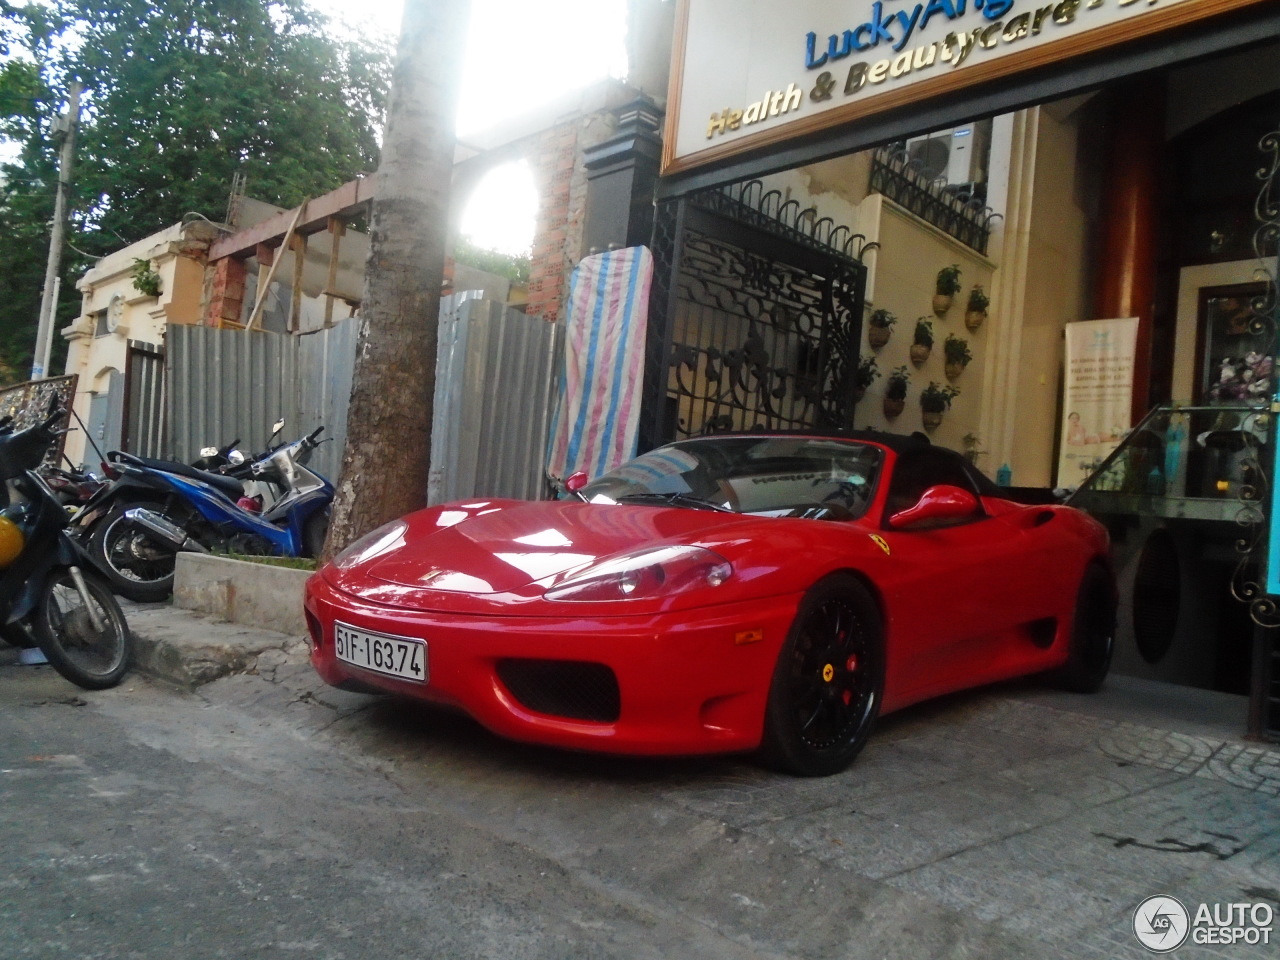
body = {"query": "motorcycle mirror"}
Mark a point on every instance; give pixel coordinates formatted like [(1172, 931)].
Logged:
[(277, 426), (208, 451), (236, 457)]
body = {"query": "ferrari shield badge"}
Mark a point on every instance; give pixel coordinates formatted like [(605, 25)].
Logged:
[(882, 544)]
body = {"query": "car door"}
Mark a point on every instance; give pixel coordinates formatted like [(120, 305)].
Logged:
[(950, 609)]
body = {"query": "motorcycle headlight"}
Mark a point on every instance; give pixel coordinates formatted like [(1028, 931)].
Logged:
[(375, 543), (644, 574)]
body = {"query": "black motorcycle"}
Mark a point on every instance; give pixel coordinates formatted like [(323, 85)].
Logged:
[(50, 594)]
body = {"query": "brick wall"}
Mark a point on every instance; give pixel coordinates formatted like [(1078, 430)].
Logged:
[(561, 179), (226, 294)]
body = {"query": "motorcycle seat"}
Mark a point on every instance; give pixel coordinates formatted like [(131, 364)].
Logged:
[(232, 487)]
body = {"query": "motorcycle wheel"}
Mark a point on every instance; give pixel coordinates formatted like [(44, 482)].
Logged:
[(138, 566), (314, 532), (92, 657)]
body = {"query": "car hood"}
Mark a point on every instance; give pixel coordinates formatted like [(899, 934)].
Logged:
[(501, 547)]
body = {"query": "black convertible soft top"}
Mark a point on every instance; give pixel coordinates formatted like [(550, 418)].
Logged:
[(899, 443)]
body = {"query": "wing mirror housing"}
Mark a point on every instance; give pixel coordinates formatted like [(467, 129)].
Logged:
[(576, 481), (943, 502)]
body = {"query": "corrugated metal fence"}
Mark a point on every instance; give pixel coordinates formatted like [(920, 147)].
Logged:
[(227, 384), (495, 380), (495, 385)]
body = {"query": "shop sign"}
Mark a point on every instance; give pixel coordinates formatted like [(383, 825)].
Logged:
[(1097, 394), (751, 73)]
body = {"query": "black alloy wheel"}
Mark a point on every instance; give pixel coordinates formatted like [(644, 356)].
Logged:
[(828, 681), (1093, 633)]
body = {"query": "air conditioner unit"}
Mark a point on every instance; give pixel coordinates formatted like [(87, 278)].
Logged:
[(958, 154)]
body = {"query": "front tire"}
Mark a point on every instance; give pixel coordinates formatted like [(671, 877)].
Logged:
[(828, 681), (138, 566), (92, 657), (1093, 634)]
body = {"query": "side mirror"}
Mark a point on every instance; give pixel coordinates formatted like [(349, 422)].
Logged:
[(576, 481), (943, 502)]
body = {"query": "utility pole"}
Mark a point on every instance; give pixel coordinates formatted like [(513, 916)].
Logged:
[(65, 124)]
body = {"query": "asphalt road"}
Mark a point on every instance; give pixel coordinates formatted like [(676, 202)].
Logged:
[(268, 816)]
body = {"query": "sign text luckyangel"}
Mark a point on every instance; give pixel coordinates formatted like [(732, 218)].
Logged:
[(758, 72)]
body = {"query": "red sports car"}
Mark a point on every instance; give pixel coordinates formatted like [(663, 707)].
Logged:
[(730, 593)]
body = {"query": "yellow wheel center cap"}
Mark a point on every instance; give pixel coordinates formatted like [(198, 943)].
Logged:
[(828, 673)]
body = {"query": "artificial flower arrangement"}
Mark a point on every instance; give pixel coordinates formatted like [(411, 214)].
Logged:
[(1244, 378)]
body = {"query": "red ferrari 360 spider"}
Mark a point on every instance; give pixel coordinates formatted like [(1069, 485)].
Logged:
[(730, 593)]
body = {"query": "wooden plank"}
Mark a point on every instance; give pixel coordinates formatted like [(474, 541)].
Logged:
[(264, 283), (336, 230), (313, 216), (299, 247)]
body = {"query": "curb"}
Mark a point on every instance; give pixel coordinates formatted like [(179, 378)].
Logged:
[(190, 650)]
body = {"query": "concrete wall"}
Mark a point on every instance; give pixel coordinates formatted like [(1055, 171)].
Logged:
[(1057, 293), (905, 268), (176, 254)]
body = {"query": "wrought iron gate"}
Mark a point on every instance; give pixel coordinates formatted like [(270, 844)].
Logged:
[(1265, 609), (755, 318)]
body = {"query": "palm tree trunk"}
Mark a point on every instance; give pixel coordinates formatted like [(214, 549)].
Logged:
[(384, 466)]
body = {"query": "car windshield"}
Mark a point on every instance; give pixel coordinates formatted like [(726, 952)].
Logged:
[(765, 476)]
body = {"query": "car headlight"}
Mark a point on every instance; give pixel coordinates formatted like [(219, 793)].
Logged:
[(644, 574), (374, 543)]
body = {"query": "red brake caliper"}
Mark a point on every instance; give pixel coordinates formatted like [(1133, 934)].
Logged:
[(851, 667)]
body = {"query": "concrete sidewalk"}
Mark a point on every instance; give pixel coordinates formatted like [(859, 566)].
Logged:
[(190, 649), (1002, 823), (1179, 729)]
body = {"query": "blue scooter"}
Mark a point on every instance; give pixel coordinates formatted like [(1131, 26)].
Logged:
[(171, 507)]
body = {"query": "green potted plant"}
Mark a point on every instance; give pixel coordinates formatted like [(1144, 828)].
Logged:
[(895, 391), (976, 311), (145, 280), (935, 400), (958, 355), (923, 344), (864, 376), (879, 326), (945, 288)]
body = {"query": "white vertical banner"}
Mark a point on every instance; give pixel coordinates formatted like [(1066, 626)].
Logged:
[(1097, 396)]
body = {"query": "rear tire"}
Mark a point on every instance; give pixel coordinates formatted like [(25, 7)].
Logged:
[(137, 565), (314, 532), (1093, 634), (828, 682), (90, 657)]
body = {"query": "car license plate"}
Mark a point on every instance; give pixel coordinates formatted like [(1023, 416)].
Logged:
[(393, 656)]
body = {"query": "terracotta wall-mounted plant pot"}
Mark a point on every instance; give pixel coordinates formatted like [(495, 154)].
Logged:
[(973, 318), (953, 369), (919, 353), (942, 303), (931, 418), (892, 407), (877, 337)]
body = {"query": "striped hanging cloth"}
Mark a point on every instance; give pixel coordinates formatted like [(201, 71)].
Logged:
[(598, 412)]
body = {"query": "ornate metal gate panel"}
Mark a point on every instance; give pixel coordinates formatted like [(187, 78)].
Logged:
[(1264, 602), (755, 319)]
